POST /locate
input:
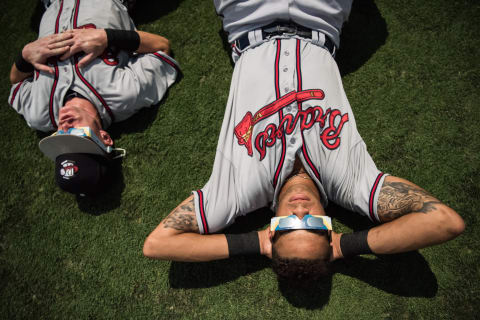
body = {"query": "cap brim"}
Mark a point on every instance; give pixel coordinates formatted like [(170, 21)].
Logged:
[(54, 146)]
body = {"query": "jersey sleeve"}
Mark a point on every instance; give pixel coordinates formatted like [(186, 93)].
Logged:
[(154, 73), (216, 203), (21, 100), (358, 188), (233, 190)]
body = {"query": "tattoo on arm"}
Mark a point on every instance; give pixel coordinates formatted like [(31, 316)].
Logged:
[(183, 218), (398, 198)]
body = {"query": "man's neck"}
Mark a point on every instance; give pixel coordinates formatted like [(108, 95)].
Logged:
[(298, 168)]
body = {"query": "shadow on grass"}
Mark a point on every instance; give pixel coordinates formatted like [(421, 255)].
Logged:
[(214, 273), (406, 274), (139, 122), (37, 17), (146, 11), (362, 35), (312, 297), (226, 45), (107, 200)]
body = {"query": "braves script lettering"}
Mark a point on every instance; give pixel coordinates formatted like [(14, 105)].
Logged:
[(331, 120)]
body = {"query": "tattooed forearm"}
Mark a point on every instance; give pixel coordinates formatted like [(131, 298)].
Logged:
[(398, 198), (183, 218)]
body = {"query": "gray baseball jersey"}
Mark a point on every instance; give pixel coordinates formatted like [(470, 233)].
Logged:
[(286, 100), (118, 85), (239, 17)]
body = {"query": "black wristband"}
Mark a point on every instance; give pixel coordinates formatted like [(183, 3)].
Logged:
[(127, 40), (23, 65), (353, 244), (243, 244)]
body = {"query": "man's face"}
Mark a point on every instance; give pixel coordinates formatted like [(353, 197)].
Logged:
[(79, 112), (301, 197)]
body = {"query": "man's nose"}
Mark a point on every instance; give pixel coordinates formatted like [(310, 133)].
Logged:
[(300, 211), (65, 125)]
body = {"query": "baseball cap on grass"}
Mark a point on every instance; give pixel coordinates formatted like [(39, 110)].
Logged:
[(82, 161), (82, 173)]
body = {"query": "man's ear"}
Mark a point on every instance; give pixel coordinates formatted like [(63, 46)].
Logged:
[(105, 137)]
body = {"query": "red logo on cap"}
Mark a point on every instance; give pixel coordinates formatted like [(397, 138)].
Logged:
[(68, 169)]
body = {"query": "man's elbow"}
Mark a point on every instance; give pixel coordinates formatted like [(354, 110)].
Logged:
[(451, 222), (152, 248), (15, 78), (166, 46)]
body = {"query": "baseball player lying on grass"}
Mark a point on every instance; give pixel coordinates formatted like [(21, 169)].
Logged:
[(88, 68), (289, 141)]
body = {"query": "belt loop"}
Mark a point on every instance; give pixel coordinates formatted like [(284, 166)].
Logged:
[(255, 36), (318, 38)]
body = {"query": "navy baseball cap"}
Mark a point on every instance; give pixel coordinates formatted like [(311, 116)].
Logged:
[(82, 173), (82, 161)]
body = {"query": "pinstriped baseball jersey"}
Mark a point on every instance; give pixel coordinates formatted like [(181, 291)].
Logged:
[(286, 100), (118, 85), (239, 16)]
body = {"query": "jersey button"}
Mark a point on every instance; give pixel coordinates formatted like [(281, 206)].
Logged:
[(287, 89), (292, 141), (285, 69), (289, 108), (286, 53)]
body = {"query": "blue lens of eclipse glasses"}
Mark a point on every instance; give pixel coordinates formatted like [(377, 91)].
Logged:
[(309, 222)]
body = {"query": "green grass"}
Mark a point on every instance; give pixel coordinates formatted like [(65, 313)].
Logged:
[(410, 69)]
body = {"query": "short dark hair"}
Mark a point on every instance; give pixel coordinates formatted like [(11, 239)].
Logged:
[(298, 272)]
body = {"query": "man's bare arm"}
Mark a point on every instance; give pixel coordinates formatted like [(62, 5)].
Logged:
[(413, 219), (177, 238), (150, 42), (398, 198)]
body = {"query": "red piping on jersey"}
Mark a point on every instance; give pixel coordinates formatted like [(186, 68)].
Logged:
[(52, 96), (75, 17), (372, 196), (102, 101), (57, 22), (276, 70), (163, 58), (202, 211), (77, 70), (15, 91), (55, 81), (299, 89), (299, 72), (280, 113)]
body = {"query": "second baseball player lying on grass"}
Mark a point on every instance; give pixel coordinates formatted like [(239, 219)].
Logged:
[(289, 141), (88, 68)]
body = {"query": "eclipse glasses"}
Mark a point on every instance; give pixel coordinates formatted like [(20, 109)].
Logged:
[(309, 222)]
